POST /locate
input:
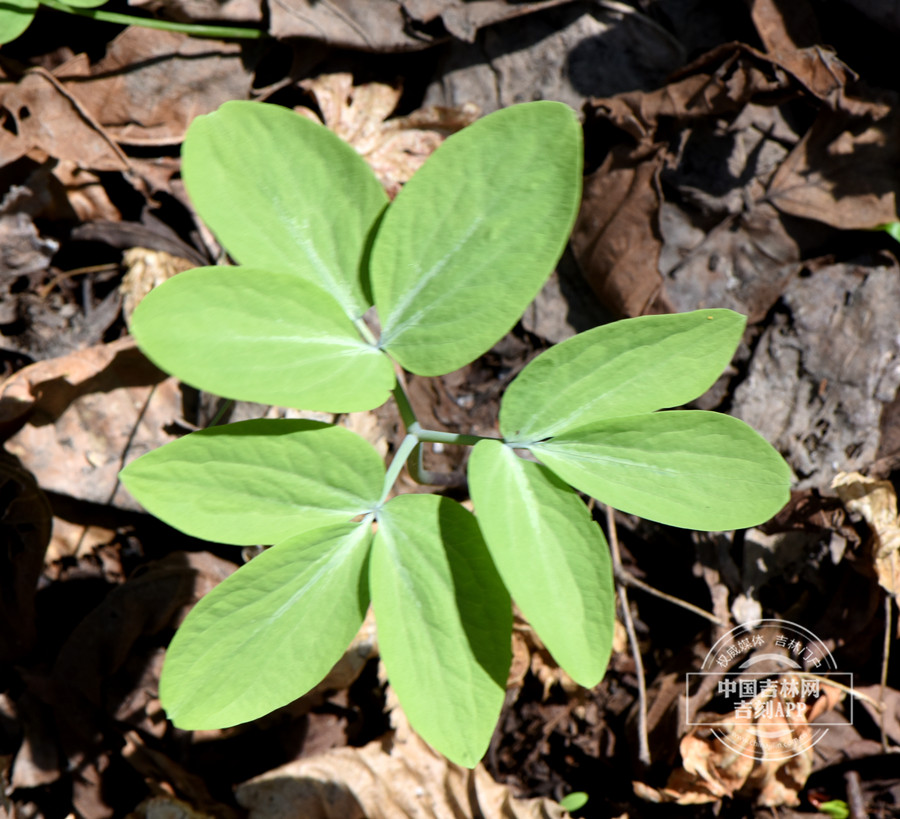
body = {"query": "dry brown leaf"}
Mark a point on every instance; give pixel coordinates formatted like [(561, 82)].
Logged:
[(395, 149), (464, 19), (155, 598), (167, 807), (838, 172), (88, 414), (614, 240), (86, 193), (385, 780), (389, 25), (43, 115), (23, 251), (247, 12), (130, 89), (617, 238), (73, 539), (876, 502), (713, 769), (842, 173)]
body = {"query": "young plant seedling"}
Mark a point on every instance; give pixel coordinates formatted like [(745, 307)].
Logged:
[(449, 265)]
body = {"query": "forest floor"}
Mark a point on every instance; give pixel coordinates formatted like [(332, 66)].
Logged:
[(738, 154)]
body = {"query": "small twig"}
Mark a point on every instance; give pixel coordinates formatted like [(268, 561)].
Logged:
[(45, 289), (854, 796), (643, 738), (850, 692), (885, 658), (624, 576)]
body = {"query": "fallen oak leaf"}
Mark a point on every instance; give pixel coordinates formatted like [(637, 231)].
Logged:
[(394, 148), (876, 502), (390, 778), (742, 754)]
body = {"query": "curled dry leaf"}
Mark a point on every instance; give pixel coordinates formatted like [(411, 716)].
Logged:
[(81, 417), (836, 172), (713, 769), (43, 115), (385, 780), (396, 148), (129, 90), (618, 237), (876, 502)]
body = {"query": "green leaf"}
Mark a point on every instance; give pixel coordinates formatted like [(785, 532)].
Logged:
[(264, 336), (892, 229), (697, 470), (624, 368), (551, 555), (444, 622), (284, 193), (15, 17), (573, 801), (470, 239), (269, 632), (835, 808), (83, 4), (258, 481)]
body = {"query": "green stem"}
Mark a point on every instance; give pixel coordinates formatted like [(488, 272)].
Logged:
[(403, 452), (194, 29), (365, 332), (435, 436), (406, 411)]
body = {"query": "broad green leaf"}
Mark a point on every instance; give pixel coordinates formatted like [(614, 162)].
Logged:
[(444, 622), (258, 481), (269, 632), (284, 193), (15, 17), (551, 555), (265, 336), (573, 801), (83, 4), (470, 239), (625, 368), (697, 470)]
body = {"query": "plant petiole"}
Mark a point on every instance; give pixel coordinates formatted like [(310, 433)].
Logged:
[(434, 436), (194, 29), (365, 332), (410, 442)]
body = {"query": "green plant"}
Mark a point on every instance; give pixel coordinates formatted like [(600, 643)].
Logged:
[(835, 808), (449, 265), (17, 15), (573, 801)]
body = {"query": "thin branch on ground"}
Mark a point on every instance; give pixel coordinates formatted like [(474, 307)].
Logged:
[(627, 578), (855, 801), (850, 692), (885, 658), (643, 738)]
